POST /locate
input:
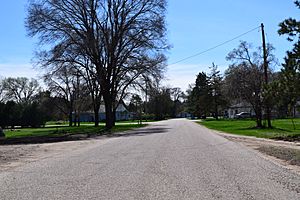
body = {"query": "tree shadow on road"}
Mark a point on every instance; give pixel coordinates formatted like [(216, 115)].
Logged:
[(158, 129)]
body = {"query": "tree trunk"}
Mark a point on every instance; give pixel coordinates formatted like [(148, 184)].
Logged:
[(216, 113), (217, 116), (268, 113), (258, 115), (96, 114), (75, 118), (70, 118), (109, 112), (78, 119), (269, 117), (1, 132), (109, 122), (259, 120)]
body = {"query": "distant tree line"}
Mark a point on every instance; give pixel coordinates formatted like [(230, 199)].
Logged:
[(23, 103), (20, 104), (157, 103)]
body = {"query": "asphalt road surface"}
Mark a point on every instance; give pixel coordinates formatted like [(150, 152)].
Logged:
[(175, 159)]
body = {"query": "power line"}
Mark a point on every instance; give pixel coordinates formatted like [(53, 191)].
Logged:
[(212, 48)]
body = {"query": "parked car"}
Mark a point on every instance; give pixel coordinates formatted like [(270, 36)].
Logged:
[(242, 115), (203, 117)]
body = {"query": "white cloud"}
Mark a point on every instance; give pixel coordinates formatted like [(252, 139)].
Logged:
[(180, 81), (181, 75), (18, 70)]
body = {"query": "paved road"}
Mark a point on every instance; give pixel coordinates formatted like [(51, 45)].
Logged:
[(175, 159)]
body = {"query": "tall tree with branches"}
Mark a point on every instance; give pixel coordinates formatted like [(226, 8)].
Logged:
[(64, 86), (216, 94), (123, 39)]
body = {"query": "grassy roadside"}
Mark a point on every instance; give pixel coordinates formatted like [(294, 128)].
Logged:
[(50, 131), (56, 133), (66, 123), (282, 128)]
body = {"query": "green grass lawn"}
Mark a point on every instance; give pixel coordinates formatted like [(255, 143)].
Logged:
[(135, 121), (282, 128), (57, 131), (66, 123)]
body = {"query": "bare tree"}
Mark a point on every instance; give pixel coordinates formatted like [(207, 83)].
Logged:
[(63, 85), (176, 96), (74, 57), (122, 38), (244, 82), (244, 79), (20, 89)]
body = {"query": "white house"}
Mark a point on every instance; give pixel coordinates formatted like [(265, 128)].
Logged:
[(231, 111), (121, 114)]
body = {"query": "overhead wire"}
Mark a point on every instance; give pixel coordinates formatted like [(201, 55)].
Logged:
[(217, 46)]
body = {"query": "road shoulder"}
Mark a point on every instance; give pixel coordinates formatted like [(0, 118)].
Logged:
[(283, 153), (13, 156)]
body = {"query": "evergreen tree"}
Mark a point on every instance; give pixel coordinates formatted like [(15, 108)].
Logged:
[(199, 99), (215, 86), (289, 86), (290, 27)]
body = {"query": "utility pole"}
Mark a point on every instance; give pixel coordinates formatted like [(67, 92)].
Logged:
[(268, 113)]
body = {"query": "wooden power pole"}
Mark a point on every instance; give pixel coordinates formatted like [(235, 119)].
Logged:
[(268, 112)]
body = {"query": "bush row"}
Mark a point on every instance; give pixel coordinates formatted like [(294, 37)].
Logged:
[(25, 115)]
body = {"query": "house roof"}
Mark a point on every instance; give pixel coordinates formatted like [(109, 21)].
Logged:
[(120, 108), (240, 105)]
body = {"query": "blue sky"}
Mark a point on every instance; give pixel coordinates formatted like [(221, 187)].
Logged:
[(193, 26)]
